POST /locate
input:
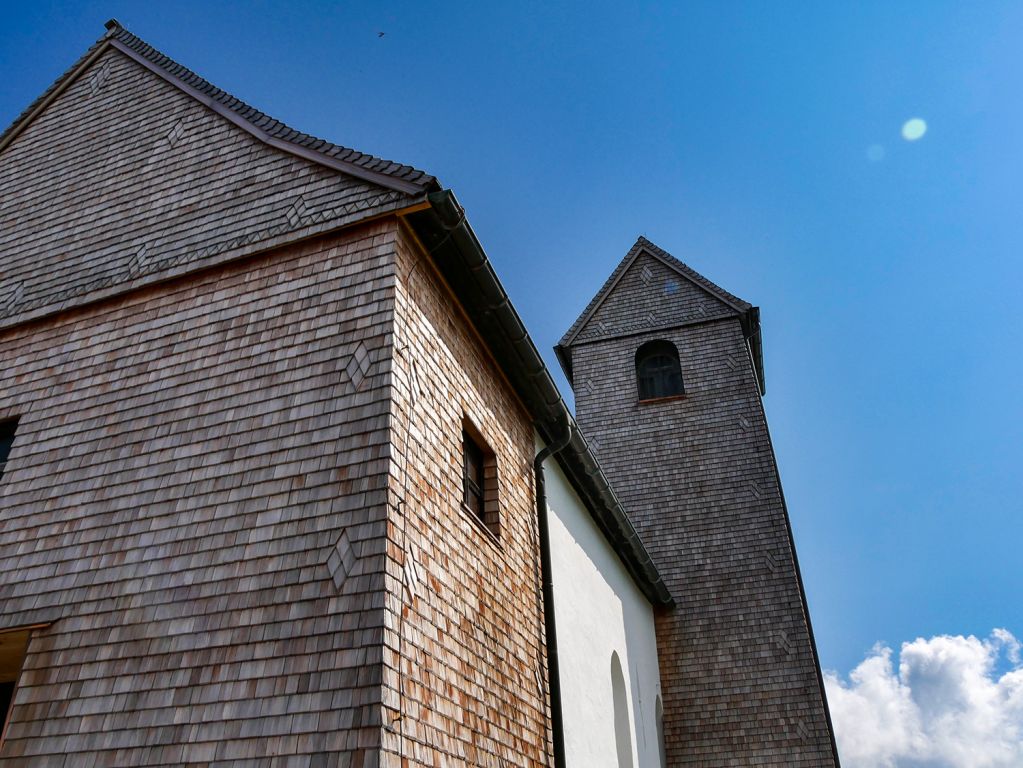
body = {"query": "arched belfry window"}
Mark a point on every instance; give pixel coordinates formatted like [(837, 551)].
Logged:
[(658, 373)]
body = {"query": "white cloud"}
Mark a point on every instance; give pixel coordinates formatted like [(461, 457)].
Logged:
[(955, 702)]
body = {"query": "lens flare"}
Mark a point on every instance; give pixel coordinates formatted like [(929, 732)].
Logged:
[(914, 129)]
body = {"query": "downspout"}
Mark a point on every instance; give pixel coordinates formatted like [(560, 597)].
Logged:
[(547, 576), (557, 444)]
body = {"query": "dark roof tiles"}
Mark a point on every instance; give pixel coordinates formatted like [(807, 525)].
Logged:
[(265, 122)]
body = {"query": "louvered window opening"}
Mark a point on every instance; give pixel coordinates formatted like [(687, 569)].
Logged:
[(658, 372)]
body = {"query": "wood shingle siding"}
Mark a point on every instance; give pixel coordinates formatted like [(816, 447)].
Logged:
[(124, 180), (464, 647), (188, 458), (739, 673)]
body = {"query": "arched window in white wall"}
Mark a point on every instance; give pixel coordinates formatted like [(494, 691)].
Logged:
[(620, 697), (660, 732)]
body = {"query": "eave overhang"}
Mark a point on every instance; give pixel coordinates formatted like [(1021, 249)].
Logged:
[(445, 233)]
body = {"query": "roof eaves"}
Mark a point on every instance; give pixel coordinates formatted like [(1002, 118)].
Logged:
[(449, 239)]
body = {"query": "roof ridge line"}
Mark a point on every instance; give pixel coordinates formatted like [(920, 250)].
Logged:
[(738, 304), (642, 245), (269, 130)]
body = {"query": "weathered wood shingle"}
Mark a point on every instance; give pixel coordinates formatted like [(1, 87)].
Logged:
[(186, 461), (124, 179), (739, 672)]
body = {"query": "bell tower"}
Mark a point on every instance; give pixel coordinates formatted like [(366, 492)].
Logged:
[(668, 378)]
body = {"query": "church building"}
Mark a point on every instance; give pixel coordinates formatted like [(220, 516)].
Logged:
[(285, 483)]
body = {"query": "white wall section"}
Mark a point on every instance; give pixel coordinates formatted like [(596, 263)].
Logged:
[(600, 612)]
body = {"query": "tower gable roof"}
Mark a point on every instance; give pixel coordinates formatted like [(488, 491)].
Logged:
[(721, 303)]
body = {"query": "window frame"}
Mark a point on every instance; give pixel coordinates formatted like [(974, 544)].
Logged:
[(482, 483), (657, 385)]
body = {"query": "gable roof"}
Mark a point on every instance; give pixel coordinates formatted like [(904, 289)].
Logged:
[(471, 275), (388, 174), (748, 314), (107, 182)]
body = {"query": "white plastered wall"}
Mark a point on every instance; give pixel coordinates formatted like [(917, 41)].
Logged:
[(599, 611)]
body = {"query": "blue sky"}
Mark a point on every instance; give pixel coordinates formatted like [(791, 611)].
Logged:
[(758, 142)]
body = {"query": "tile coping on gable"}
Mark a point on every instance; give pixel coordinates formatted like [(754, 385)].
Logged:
[(748, 314), (388, 174)]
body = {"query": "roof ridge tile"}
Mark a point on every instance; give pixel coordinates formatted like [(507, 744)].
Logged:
[(267, 123), (262, 122), (642, 244)]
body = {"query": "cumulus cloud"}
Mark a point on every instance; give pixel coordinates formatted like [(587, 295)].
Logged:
[(954, 702)]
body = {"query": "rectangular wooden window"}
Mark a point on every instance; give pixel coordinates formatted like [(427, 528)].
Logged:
[(472, 477), (479, 479)]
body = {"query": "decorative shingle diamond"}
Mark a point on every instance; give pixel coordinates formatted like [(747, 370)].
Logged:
[(138, 261), (11, 296), (803, 730), (99, 79), (298, 211), (358, 366), (410, 572), (781, 639), (341, 560), (176, 132)]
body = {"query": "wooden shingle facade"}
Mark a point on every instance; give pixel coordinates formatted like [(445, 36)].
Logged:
[(739, 670), (241, 368)]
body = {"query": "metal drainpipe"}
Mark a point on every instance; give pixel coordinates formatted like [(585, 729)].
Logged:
[(447, 208), (550, 626)]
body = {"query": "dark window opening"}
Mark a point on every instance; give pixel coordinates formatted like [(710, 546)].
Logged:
[(6, 694), (13, 645), (479, 479), (658, 373), (7, 430), (472, 479)]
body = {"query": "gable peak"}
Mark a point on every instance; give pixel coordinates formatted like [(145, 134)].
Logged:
[(729, 303), (385, 173), (643, 246)]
